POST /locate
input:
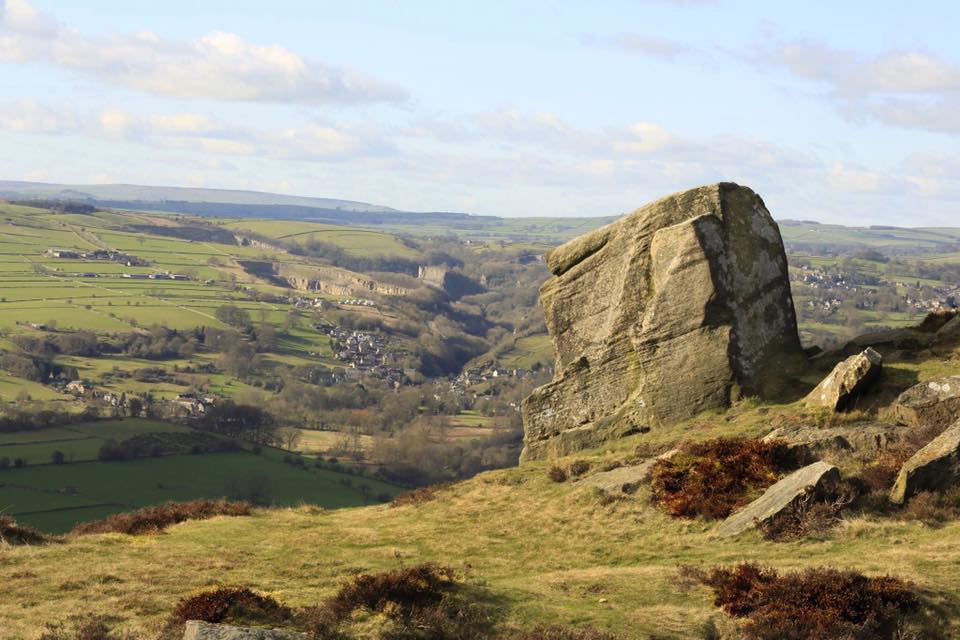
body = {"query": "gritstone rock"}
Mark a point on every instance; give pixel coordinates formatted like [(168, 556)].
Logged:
[(934, 403), (933, 468), (848, 380), (195, 630), (679, 307), (815, 477)]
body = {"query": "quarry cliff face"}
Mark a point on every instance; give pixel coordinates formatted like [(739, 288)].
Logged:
[(682, 306)]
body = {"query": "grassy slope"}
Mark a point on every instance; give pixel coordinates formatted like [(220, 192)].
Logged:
[(548, 552)]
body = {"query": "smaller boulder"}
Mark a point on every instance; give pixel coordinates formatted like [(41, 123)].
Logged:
[(625, 479), (816, 477), (196, 630), (934, 403), (933, 468), (860, 437), (949, 331), (848, 380)]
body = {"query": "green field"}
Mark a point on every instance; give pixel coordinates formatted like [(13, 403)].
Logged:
[(78, 443), (360, 242), (55, 497), (528, 351)]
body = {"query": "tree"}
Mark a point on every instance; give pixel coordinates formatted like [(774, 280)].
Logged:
[(234, 316), (57, 457), (266, 337), (290, 437)]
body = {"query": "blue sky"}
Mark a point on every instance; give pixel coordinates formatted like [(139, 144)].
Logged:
[(840, 112)]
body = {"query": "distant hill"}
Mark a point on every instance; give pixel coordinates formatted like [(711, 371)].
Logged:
[(803, 235), (145, 195), (223, 203)]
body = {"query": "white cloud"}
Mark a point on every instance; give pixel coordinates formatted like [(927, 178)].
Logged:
[(847, 178), (26, 116), (218, 66), (654, 46), (196, 132), (908, 88)]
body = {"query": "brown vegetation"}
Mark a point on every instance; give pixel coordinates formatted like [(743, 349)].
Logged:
[(420, 602), (810, 515), (814, 603), (557, 474), (557, 632), (715, 477), (417, 496), (16, 534), (159, 517), (91, 628), (234, 605)]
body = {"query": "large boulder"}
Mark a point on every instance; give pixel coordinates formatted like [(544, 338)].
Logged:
[(933, 468), (679, 307), (817, 477), (847, 382), (195, 630), (934, 403)]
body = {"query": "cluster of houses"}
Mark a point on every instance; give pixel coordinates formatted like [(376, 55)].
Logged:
[(365, 354), (834, 288), (160, 275), (357, 302), (320, 303), (84, 389), (194, 405), (99, 254), (484, 373)]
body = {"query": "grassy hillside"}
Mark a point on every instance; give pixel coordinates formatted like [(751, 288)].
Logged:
[(544, 551)]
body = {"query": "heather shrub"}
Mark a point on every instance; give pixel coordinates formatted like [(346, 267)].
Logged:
[(159, 517), (12, 533), (559, 632), (815, 603), (557, 474), (713, 478), (423, 602), (417, 496), (578, 467), (92, 628), (233, 605), (812, 514), (933, 508)]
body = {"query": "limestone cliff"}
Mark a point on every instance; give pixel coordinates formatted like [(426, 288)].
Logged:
[(679, 307)]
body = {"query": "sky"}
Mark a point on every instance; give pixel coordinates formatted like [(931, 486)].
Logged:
[(843, 112)]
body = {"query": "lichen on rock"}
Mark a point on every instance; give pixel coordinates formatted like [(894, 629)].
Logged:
[(682, 306)]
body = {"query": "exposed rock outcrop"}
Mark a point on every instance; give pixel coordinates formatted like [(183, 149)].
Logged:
[(933, 468), (817, 477), (626, 479), (949, 331), (867, 437), (679, 307), (934, 403), (195, 630), (846, 383)]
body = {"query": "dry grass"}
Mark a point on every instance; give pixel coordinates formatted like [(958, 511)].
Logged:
[(548, 552)]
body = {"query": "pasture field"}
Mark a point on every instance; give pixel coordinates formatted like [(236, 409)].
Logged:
[(55, 497), (357, 241), (528, 351), (313, 442), (78, 442)]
